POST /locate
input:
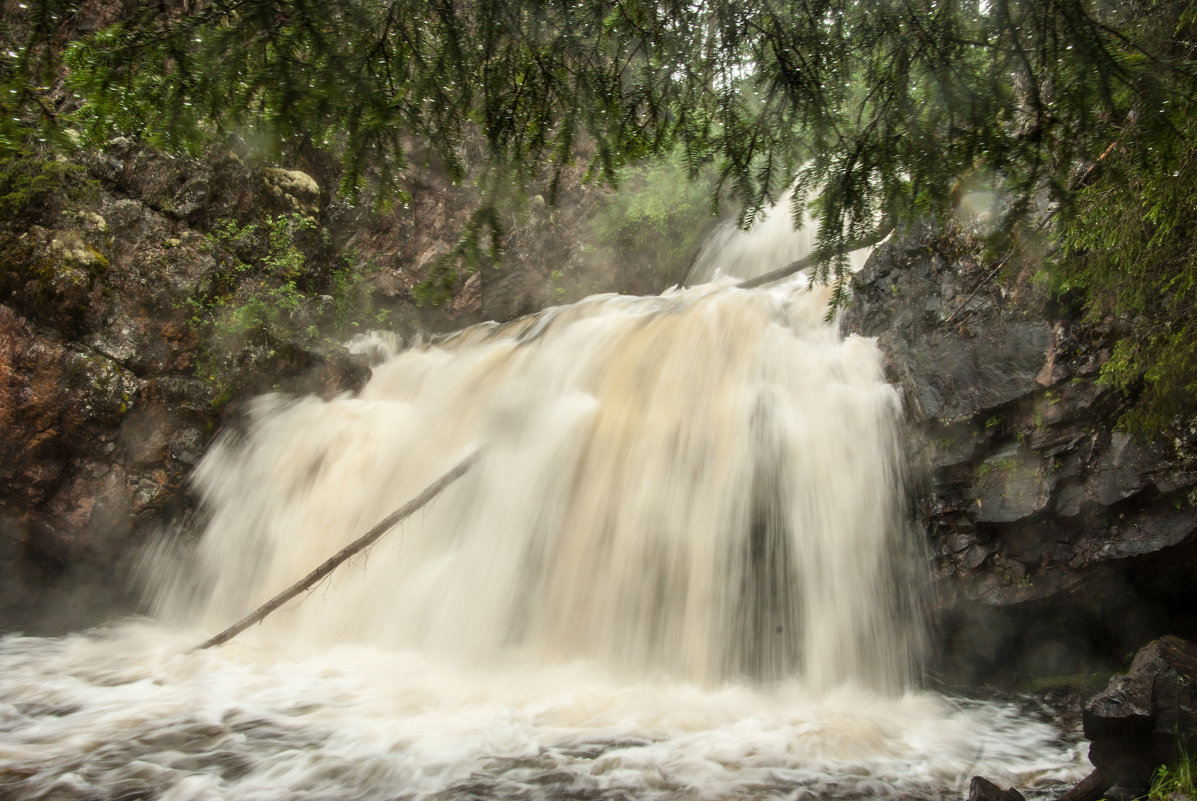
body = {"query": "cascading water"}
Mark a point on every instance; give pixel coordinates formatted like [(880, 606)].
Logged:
[(678, 570), (704, 484), (771, 244)]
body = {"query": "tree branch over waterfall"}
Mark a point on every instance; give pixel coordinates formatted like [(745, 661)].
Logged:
[(877, 108), (816, 258), (353, 548), (870, 109)]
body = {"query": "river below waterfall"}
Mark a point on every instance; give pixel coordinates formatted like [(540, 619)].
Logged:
[(131, 714), (680, 568)]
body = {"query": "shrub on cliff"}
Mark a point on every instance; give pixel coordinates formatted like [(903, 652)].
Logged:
[(1129, 238)]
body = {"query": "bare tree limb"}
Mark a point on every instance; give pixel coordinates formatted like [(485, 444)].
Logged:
[(1080, 182), (357, 546), (977, 287), (814, 257)]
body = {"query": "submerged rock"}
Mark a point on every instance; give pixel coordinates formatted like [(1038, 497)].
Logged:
[(981, 789)]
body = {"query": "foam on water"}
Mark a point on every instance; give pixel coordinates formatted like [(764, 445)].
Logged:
[(131, 714)]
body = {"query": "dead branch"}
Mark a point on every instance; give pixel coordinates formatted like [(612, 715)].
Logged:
[(357, 546), (815, 257)]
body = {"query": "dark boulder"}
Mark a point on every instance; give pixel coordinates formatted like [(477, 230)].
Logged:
[(981, 789), (1139, 721)]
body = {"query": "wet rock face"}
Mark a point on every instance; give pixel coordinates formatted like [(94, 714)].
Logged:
[(110, 390), (67, 494), (194, 191), (103, 412), (1054, 537), (1143, 717)]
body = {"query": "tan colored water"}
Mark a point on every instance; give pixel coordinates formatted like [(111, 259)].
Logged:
[(679, 571), (704, 484)]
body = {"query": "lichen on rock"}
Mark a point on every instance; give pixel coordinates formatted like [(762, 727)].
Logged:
[(296, 191)]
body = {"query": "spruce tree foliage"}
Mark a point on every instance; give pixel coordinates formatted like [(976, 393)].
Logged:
[(31, 35), (876, 109), (877, 106), (1129, 239)]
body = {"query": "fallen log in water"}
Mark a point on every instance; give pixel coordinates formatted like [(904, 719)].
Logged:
[(357, 546), (811, 259)]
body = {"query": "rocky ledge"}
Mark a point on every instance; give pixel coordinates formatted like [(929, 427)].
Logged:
[(1059, 543)]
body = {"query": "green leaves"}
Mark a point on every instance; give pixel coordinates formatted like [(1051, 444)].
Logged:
[(657, 220), (1129, 241), (876, 109), (879, 106), (269, 290), (1130, 251)]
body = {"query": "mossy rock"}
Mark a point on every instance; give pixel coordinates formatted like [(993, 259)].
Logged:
[(51, 276), (35, 190)]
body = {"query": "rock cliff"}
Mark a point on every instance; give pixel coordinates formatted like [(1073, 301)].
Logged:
[(1059, 543), (143, 296)]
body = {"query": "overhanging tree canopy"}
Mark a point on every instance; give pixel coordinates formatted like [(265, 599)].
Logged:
[(882, 104), (876, 108)]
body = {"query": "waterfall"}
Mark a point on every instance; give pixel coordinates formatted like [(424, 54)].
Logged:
[(769, 245), (679, 569), (706, 483)]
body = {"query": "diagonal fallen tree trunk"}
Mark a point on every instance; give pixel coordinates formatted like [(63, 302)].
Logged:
[(813, 258), (355, 547)]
